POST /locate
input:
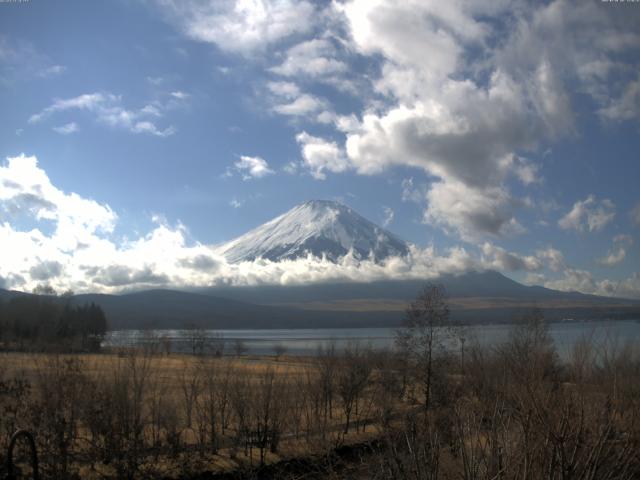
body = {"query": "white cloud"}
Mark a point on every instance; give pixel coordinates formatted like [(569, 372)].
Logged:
[(291, 167), (150, 127), (470, 211), (580, 280), (156, 81), (301, 106), (27, 190), (524, 170), (52, 71), (554, 258), (618, 252), (314, 58), (420, 264), (289, 100), (590, 214), (88, 101), (80, 251), (241, 26), (320, 155), (626, 107), (626, 288), (575, 280), (152, 110), (388, 216), (613, 257), (411, 192), (67, 128), (284, 89), (108, 110), (534, 278), (180, 95), (467, 155), (498, 258), (252, 167)]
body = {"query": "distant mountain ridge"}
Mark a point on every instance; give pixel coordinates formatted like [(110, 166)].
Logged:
[(475, 297), (322, 228), (488, 284)]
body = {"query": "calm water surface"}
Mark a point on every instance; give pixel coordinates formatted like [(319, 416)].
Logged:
[(307, 341)]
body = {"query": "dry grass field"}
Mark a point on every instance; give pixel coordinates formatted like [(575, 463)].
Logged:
[(179, 414), (513, 411)]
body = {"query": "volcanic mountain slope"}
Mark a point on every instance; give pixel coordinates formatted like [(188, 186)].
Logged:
[(317, 227), (332, 230)]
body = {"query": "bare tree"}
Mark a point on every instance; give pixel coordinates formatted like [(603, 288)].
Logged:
[(426, 328), (165, 343), (279, 350), (217, 344), (388, 385), (268, 409), (529, 351), (353, 377), (190, 386), (158, 407), (240, 347), (197, 339), (327, 362), (240, 401), (223, 395), (208, 424)]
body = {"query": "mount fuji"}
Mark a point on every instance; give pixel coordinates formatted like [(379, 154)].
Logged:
[(321, 228), (328, 229)]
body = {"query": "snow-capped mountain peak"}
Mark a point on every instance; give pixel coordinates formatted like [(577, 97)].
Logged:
[(317, 227)]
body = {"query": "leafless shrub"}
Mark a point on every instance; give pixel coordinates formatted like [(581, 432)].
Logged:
[(353, 377), (279, 350), (15, 392), (117, 413), (57, 409), (213, 394), (240, 347)]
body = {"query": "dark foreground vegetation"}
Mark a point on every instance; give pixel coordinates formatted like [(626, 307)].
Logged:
[(50, 323), (515, 411)]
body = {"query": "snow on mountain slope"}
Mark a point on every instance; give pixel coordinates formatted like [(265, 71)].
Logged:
[(319, 227)]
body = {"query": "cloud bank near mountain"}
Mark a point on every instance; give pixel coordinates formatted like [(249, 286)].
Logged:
[(69, 242)]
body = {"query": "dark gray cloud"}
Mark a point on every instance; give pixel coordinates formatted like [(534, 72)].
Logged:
[(121, 275), (26, 202), (46, 270), (202, 263)]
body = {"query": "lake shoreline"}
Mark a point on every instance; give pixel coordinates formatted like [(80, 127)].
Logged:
[(302, 342)]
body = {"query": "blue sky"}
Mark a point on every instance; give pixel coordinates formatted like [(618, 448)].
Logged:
[(137, 134)]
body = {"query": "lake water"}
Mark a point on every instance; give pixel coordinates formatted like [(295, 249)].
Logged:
[(307, 341)]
